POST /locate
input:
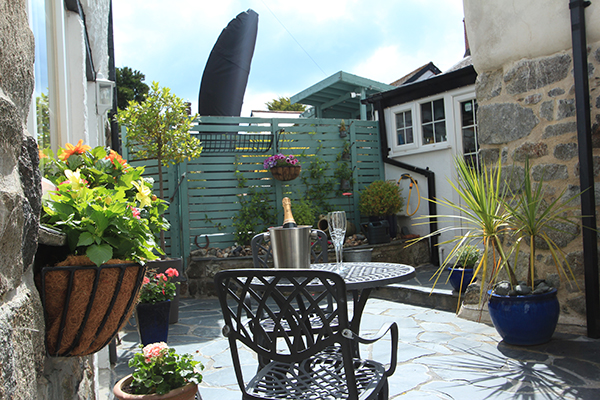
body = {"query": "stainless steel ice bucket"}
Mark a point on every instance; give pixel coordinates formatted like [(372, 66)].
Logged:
[(291, 247)]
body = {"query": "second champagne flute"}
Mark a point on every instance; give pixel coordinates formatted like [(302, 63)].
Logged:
[(336, 221)]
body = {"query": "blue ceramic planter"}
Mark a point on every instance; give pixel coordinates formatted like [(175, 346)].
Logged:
[(456, 275), (525, 320), (153, 322)]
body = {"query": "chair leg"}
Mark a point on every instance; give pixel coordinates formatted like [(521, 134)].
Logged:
[(384, 393)]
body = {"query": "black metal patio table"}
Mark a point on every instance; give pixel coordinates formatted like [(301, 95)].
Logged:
[(362, 277)]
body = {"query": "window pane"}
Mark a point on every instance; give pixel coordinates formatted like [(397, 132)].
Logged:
[(399, 121), (426, 112), (467, 113), (409, 135), (469, 145), (408, 118), (400, 137), (438, 109), (428, 134), (440, 132)]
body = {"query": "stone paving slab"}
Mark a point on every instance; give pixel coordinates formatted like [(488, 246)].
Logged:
[(440, 356)]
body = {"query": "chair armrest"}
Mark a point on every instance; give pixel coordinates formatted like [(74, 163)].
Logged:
[(391, 327)]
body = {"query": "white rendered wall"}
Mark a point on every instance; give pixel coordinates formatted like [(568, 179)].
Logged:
[(502, 31)]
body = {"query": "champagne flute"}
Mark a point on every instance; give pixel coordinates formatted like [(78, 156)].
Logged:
[(336, 221)]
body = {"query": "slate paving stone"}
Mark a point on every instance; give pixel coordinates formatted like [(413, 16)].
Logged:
[(440, 356)]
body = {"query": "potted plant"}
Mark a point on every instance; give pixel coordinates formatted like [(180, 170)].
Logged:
[(460, 274), (110, 229), (152, 311), (160, 371), (344, 173), (489, 214), (159, 128), (381, 200), (282, 167)]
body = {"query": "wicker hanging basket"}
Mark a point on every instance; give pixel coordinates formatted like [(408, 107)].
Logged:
[(286, 173)]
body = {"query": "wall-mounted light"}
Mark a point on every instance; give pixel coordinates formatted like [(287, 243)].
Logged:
[(104, 94), (355, 95)]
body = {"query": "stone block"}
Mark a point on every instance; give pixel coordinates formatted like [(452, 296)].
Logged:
[(488, 85), (549, 172), (547, 110), (559, 129), (566, 109), (529, 75), (504, 122), (565, 151), (556, 92), (530, 150)]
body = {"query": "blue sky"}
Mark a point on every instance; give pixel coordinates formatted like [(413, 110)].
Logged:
[(298, 44)]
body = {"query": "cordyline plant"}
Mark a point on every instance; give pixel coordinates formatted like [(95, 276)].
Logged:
[(489, 211), (159, 128), (159, 369)]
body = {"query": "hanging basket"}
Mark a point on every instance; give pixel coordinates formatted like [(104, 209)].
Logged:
[(286, 173), (85, 306)]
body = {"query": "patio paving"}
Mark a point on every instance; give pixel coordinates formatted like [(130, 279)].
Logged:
[(440, 356)]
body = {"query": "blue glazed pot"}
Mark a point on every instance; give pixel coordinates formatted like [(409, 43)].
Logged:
[(456, 275), (525, 320), (153, 322)]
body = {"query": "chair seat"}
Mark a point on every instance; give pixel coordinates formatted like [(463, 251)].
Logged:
[(321, 376), (316, 323)]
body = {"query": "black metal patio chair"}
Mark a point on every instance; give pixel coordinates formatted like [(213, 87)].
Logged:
[(296, 360)]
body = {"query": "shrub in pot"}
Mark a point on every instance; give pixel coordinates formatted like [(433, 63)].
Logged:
[(382, 200), (491, 212), (460, 273)]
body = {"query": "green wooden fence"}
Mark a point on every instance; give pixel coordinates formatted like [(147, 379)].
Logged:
[(205, 192)]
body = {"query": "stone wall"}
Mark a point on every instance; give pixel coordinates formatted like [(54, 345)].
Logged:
[(527, 110), (26, 373)]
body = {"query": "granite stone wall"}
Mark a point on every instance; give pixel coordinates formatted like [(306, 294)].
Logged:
[(527, 110), (26, 372)]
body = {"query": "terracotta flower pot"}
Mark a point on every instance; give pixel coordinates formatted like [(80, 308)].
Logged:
[(187, 392)]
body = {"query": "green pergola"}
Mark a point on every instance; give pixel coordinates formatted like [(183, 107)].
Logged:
[(339, 96)]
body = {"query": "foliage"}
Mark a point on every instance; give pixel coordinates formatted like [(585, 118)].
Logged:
[(103, 205), (305, 213), (280, 160), (490, 212), (130, 87), (532, 219), (158, 287), (467, 256), (343, 171), (43, 120), (159, 369), (159, 127), (255, 214), (319, 186), (380, 198), (284, 104)]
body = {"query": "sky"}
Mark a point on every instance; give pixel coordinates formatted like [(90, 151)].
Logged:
[(299, 43)]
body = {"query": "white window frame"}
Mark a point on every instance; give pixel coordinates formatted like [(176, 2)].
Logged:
[(418, 146), (457, 99)]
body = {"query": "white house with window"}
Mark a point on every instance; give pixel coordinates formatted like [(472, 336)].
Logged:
[(426, 124)]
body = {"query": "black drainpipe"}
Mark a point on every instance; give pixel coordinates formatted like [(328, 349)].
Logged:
[(430, 175), (586, 163)]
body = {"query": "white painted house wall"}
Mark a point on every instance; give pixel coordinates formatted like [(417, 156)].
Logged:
[(438, 158)]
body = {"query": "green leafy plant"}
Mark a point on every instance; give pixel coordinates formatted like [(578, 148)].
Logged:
[(489, 212), (381, 198), (159, 369), (102, 204), (159, 287), (159, 127), (319, 185), (305, 213), (467, 256)]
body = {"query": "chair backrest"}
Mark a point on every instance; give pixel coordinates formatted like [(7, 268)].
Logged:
[(293, 299), (262, 252)]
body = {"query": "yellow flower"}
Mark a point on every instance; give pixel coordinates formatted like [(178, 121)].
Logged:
[(69, 150), (143, 194), (75, 179)]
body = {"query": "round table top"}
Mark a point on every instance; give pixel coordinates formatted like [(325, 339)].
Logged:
[(363, 274)]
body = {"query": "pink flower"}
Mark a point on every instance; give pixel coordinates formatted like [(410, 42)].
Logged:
[(171, 272), (136, 212), (154, 350), (146, 280), (161, 276)]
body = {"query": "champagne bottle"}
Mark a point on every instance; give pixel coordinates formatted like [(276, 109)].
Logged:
[(288, 218)]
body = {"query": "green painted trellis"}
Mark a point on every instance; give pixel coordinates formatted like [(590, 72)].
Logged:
[(205, 192)]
